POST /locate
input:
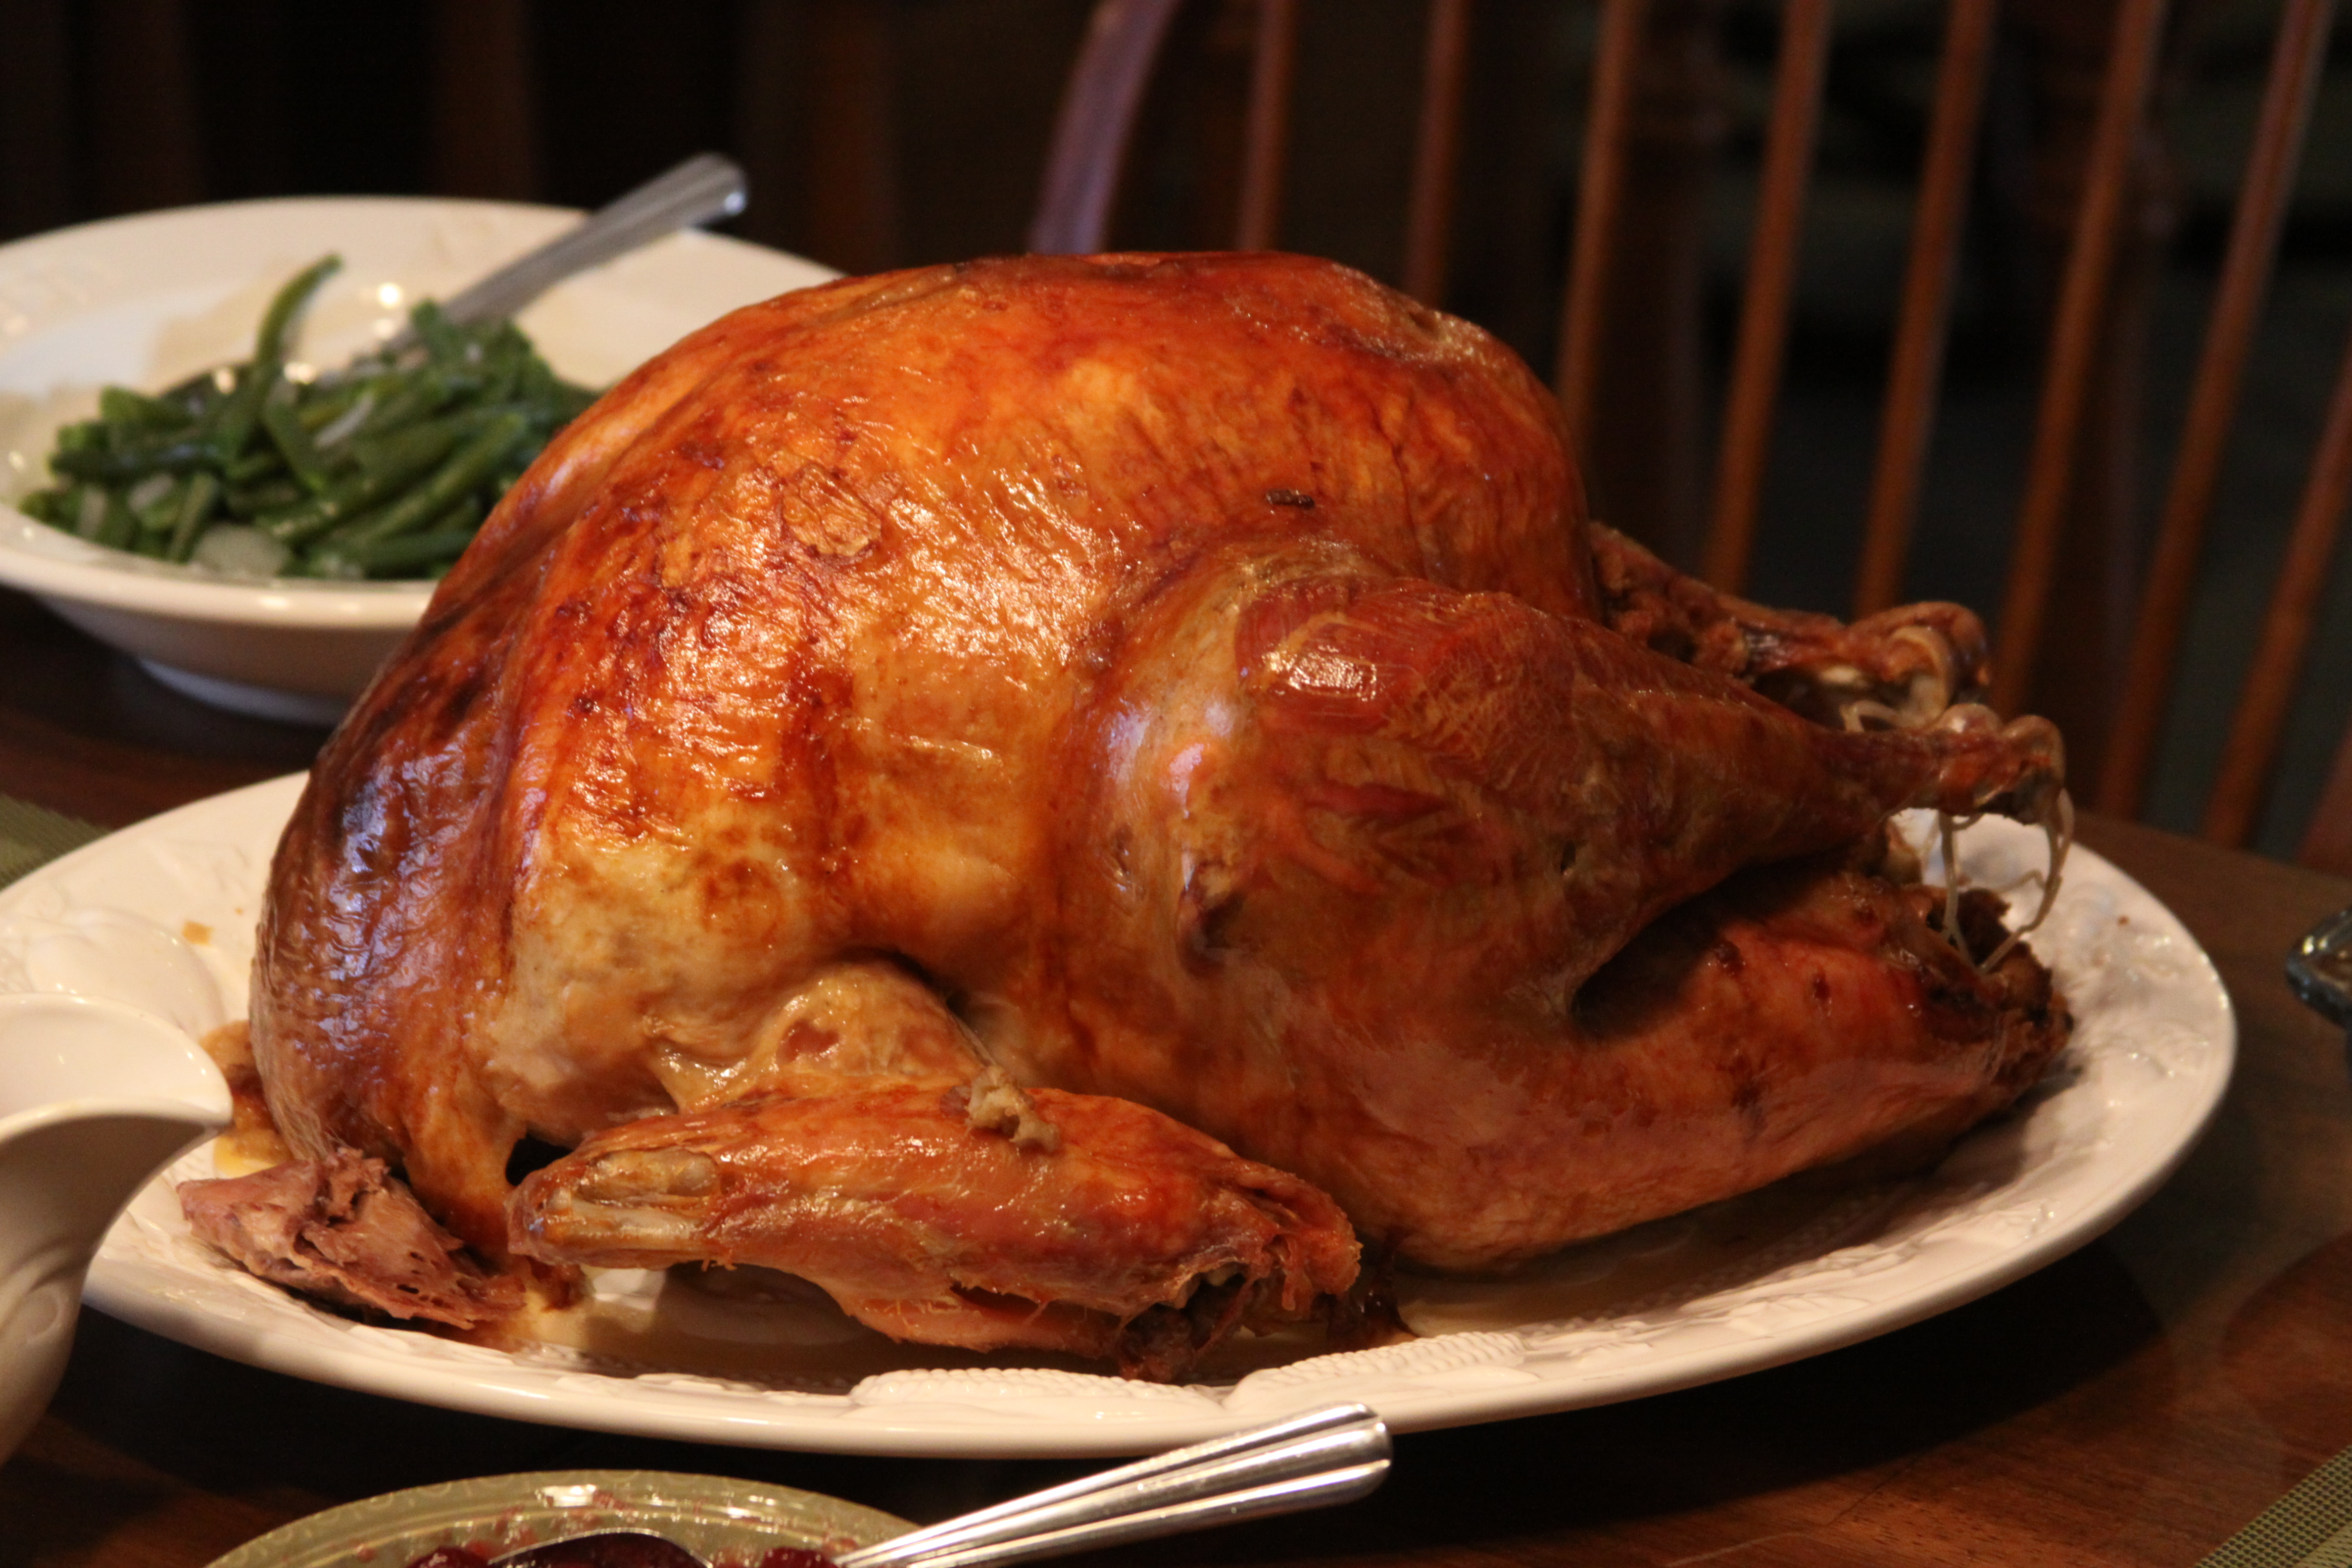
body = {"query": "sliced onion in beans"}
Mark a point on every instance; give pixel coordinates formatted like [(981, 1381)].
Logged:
[(241, 551)]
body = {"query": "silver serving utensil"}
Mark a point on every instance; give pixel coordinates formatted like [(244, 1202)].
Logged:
[(2319, 970), (1330, 1456), (704, 189)]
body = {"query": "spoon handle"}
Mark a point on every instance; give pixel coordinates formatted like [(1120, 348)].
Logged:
[(1329, 1456), (703, 189)]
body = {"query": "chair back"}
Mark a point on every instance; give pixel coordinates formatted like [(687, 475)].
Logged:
[(2118, 705)]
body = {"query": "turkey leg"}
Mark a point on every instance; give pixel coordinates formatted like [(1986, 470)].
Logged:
[(862, 1145), (1391, 765), (1361, 847), (1905, 665)]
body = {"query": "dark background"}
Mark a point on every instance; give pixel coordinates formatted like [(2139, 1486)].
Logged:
[(901, 131)]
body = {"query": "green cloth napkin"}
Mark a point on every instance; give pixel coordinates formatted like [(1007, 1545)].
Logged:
[(33, 836), (2311, 1527)]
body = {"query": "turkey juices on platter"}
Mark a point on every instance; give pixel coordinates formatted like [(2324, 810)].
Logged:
[(1067, 801)]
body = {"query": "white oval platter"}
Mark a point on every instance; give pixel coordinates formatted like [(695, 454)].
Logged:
[(161, 916)]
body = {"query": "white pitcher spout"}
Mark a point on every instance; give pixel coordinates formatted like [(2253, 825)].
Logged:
[(95, 1098)]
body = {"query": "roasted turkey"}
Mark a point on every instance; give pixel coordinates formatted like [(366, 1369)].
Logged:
[(1058, 798)]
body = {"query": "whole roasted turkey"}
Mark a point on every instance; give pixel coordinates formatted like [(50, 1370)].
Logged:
[(1056, 798)]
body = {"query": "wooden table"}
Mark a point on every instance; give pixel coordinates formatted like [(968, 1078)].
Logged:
[(2134, 1403)]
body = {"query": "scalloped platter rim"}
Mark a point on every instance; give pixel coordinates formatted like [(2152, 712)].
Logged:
[(161, 915)]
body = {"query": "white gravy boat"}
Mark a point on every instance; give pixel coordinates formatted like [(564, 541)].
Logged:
[(95, 1098)]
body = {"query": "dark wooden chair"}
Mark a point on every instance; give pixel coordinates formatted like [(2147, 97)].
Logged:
[(118, 106), (1614, 256), (144, 153), (811, 119)]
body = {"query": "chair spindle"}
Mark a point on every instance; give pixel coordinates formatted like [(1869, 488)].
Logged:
[(1772, 260), (1265, 147), (2296, 60), (2068, 383), (2260, 723), (1600, 199), (1915, 370), (1095, 124), (1429, 217)]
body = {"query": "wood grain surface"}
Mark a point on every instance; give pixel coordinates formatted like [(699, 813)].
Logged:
[(2134, 1403)]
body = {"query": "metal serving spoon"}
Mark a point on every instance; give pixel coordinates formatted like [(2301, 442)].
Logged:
[(1330, 1456), (704, 189)]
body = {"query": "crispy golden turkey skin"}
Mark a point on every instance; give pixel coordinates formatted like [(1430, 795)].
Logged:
[(1000, 787)]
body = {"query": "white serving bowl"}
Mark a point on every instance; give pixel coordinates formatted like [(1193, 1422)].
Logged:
[(146, 302)]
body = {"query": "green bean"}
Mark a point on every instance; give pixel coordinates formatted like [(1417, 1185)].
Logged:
[(155, 504), (416, 395), (154, 501), (328, 401), (265, 495), (269, 343), (82, 436), (413, 447), (117, 526), (233, 421), (119, 405), (292, 440), (88, 510), (391, 468), (203, 389), (465, 469), (441, 337), (386, 557), (174, 455), (254, 466), (465, 518), (195, 510)]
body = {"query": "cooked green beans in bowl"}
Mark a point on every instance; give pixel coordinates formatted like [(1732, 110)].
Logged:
[(384, 467)]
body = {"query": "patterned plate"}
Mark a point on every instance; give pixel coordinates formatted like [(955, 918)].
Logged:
[(724, 1521), (162, 915)]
